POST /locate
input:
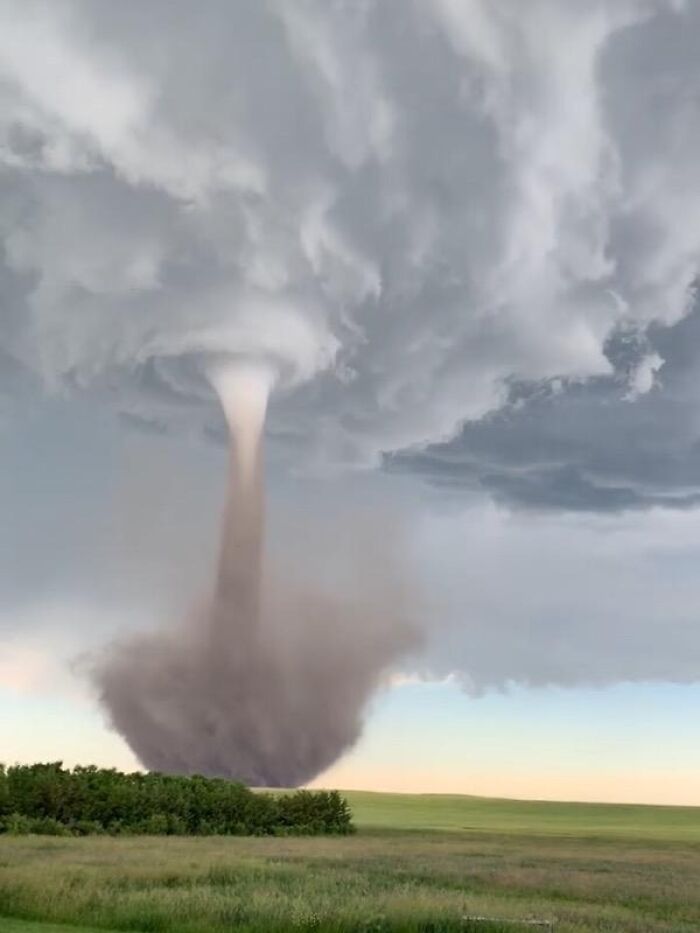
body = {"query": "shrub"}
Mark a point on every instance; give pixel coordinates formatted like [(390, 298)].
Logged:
[(16, 824), (48, 826), (50, 799)]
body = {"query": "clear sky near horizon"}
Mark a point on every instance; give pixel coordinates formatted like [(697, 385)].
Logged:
[(463, 242), (632, 744)]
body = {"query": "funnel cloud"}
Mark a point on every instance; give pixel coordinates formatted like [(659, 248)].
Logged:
[(266, 682)]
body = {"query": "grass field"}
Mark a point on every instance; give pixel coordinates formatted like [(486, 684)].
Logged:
[(583, 820), (8, 925), (417, 863)]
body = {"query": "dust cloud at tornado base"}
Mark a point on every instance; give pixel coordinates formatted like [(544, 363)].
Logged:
[(267, 681)]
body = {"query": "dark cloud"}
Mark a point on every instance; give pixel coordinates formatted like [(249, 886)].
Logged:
[(587, 445)]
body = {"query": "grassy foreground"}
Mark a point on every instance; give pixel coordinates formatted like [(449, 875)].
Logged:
[(417, 863), (7, 925)]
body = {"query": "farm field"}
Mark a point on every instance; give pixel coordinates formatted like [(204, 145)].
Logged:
[(416, 863), (462, 813)]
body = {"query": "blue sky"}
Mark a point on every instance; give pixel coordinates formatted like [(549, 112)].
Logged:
[(626, 743)]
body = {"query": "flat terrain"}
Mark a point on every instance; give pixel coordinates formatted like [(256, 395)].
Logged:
[(417, 863), (491, 815)]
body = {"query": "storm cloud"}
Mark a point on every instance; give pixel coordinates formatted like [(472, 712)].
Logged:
[(466, 241), (405, 206), (586, 446)]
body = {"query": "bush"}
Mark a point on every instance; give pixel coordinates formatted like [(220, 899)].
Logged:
[(16, 824), (53, 800), (48, 826)]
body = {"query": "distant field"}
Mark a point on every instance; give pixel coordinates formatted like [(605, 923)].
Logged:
[(542, 818), (417, 863)]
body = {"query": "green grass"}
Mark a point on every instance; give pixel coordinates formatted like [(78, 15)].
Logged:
[(7, 925), (454, 813), (418, 863)]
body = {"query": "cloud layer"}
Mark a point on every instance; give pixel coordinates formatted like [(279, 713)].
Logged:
[(562, 599), (407, 207), (596, 445)]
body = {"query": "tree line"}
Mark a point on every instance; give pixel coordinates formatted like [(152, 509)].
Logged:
[(50, 799)]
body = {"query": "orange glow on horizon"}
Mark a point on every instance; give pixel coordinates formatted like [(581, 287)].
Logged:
[(677, 788)]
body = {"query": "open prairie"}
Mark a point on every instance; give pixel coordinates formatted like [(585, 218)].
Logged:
[(416, 863)]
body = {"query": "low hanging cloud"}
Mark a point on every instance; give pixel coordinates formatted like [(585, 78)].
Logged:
[(562, 599), (406, 207)]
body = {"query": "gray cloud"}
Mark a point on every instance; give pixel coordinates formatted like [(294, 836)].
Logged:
[(588, 445), (405, 206), (561, 598)]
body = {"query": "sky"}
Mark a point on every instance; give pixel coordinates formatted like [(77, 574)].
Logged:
[(466, 243)]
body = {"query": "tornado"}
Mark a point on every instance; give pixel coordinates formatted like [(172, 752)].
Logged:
[(244, 391), (268, 679)]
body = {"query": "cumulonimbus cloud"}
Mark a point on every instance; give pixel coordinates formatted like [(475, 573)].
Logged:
[(405, 206)]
